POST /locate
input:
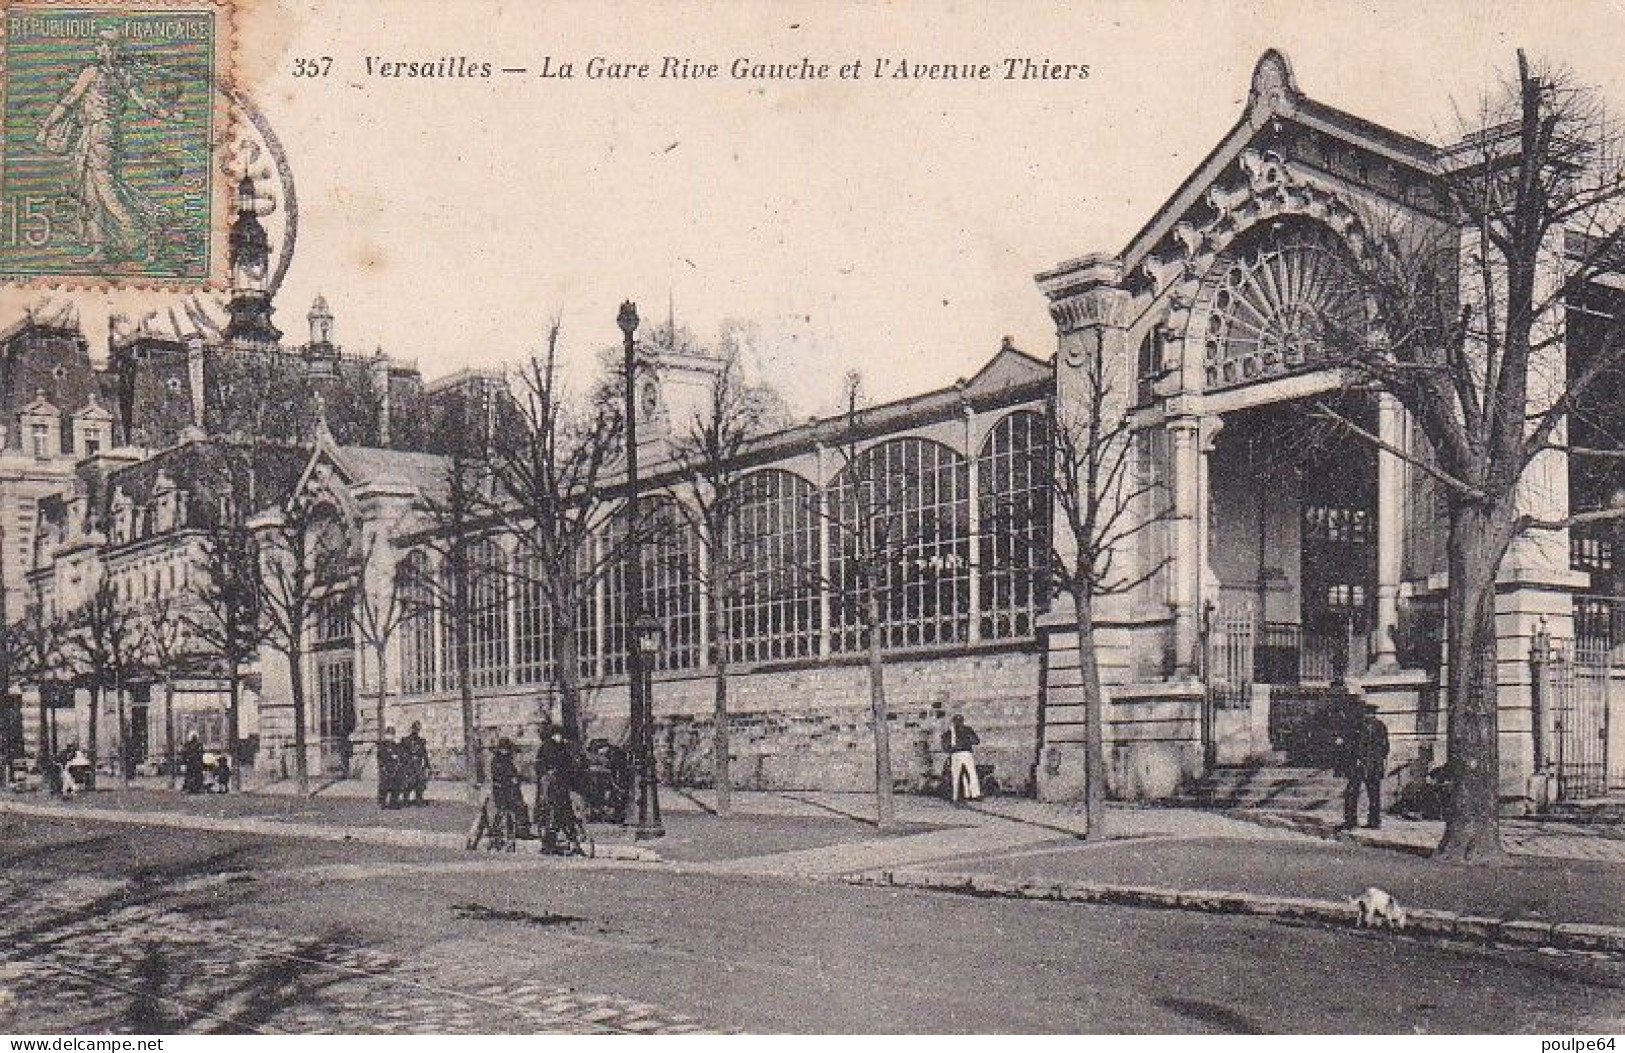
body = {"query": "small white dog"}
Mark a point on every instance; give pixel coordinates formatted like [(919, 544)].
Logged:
[(1378, 910)]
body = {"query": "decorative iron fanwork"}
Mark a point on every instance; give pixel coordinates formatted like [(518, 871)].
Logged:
[(1271, 302)]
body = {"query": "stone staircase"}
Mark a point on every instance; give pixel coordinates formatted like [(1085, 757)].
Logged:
[(1277, 787)]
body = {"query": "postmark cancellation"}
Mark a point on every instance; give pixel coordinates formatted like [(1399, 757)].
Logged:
[(113, 122)]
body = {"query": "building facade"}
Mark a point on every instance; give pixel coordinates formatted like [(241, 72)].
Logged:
[(964, 467), (1278, 566), (1293, 555)]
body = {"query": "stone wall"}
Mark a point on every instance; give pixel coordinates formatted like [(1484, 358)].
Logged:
[(797, 728)]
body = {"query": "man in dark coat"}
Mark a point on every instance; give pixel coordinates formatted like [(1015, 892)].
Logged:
[(389, 770), (414, 755), (192, 768), (556, 768), (1365, 761), (506, 794)]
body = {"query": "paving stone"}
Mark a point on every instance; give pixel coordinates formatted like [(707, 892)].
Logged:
[(106, 962)]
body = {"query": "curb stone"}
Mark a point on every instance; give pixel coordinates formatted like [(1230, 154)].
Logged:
[(1421, 922), (374, 835)]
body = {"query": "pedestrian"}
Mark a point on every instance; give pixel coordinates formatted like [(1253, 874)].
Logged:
[(414, 753), (389, 770), (555, 763), (51, 771), (192, 764), (960, 742), (506, 793), (222, 773), (77, 769), (1365, 761)]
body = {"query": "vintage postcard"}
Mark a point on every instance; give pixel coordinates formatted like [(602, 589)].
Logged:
[(866, 517)]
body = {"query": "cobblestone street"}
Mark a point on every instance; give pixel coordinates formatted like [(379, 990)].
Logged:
[(115, 928), (76, 961)]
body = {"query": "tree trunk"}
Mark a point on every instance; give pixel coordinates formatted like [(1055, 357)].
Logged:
[(885, 811), (234, 709), (169, 732), (1094, 739), (47, 748), (1472, 824), (472, 757), (123, 754), (721, 768), (95, 726), (296, 685), (381, 703), (567, 673)]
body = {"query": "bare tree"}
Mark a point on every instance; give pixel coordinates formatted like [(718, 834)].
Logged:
[(34, 651), (455, 513), (227, 619), (1464, 325), (1103, 502), (169, 650), (289, 555), (706, 457), (547, 492), (875, 544), (103, 643), (378, 615)]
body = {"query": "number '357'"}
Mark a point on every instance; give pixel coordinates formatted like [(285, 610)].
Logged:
[(320, 66)]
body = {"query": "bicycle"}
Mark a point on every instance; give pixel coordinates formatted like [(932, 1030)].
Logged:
[(577, 838), (497, 827)]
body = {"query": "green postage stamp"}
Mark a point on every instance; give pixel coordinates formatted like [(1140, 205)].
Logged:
[(112, 116)]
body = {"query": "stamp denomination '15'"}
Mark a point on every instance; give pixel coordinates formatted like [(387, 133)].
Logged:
[(106, 166)]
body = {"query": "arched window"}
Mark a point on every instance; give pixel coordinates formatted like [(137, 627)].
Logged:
[(902, 516), (612, 538), (769, 608), (1014, 512), (415, 593), (536, 650), (332, 642), (533, 662), (487, 614), (670, 587), (1149, 367), (446, 590), (587, 641)]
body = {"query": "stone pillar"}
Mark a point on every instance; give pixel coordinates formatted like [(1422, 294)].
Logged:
[(1091, 311), (1390, 531), (1188, 550)]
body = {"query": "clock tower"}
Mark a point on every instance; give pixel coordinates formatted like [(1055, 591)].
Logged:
[(249, 253)]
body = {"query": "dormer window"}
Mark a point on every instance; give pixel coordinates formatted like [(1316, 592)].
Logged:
[(39, 439)]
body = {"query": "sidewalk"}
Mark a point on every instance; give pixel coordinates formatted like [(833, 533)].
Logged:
[(1526, 889), (348, 811), (1166, 857), (1544, 839)]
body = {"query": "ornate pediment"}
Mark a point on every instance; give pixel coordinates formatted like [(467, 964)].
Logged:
[(1257, 305)]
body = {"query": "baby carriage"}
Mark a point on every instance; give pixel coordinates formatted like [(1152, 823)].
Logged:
[(606, 781)]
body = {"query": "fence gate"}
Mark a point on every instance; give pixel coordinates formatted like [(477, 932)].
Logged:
[(1580, 681), (1230, 656)]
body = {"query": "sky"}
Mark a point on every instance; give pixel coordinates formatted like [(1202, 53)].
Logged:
[(886, 226)]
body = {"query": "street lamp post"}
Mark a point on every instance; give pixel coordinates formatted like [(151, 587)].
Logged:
[(638, 659)]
